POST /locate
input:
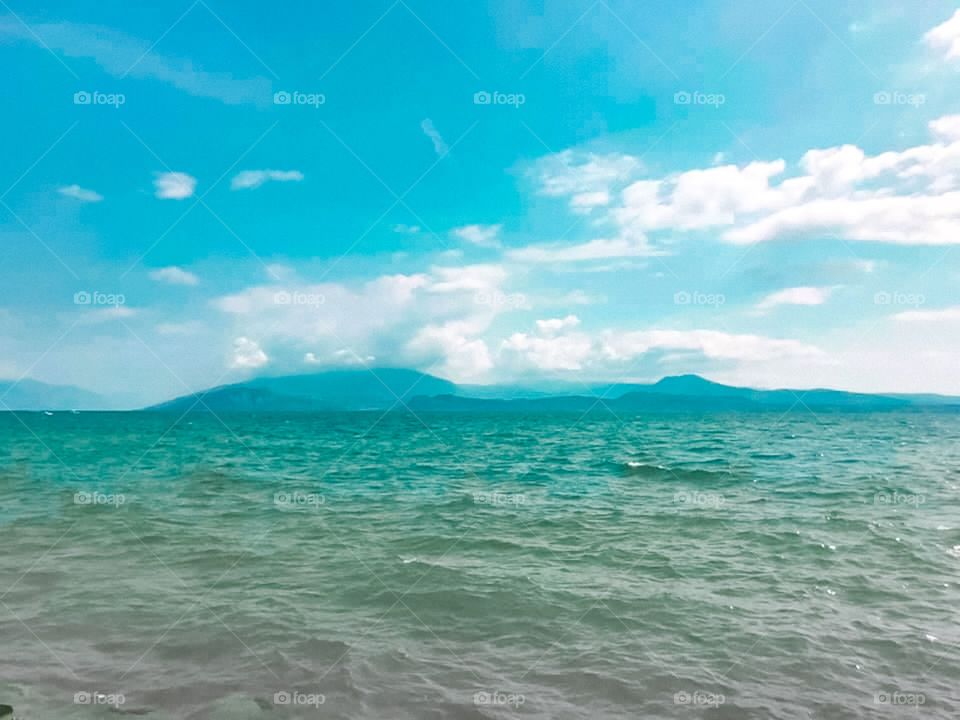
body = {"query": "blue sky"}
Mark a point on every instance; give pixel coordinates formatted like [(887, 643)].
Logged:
[(492, 192)]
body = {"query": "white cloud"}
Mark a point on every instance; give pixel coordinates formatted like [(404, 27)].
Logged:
[(406, 229), (482, 235), (251, 179), (79, 193), (439, 146), (946, 37), (610, 352), (464, 356), (174, 276), (587, 177), (473, 278), (795, 296), (711, 344), (950, 314), (554, 325), (174, 185), (121, 55), (599, 249), (902, 197), (946, 127), (247, 354), (428, 320)]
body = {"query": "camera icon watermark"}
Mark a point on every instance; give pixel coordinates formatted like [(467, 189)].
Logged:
[(498, 697), (899, 498), (698, 97), (699, 698), (499, 498), (304, 99), (900, 697), (97, 298), (86, 97), (299, 298), (899, 299), (297, 499), (700, 499), (295, 697), (895, 97), (99, 498), (698, 298), (483, 97), (84, 697), (499, 300)]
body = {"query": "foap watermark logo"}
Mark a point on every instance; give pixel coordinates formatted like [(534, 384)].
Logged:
[(499, 300), (696, 498), (698, 97), (499, 698), (499, 498), (700, 698), (97, 298), (898, 298), (899, 498), (299, 298), (484, 97), (700, 299), (298, 499), (86, 97), (296, 697), (299, 99), (897, 97), (900, 697), (98, 498), (93, 697)]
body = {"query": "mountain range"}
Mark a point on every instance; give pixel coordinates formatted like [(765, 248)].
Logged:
[(398, 389), (385, 389)]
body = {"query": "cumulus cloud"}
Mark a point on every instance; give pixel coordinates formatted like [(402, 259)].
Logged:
[(946, 37), (946, 128), (906, 197), (435, 319), (174, 185), (82, 194), (174, 275), (247, 354), (585, 177), (482, 235), (795, 296), (251, 179)]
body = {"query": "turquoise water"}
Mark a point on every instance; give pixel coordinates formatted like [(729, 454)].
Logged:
[(452, 566)]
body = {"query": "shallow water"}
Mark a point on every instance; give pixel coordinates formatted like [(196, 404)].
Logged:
[(458, 566)]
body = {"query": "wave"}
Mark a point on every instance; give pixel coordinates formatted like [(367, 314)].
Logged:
[(635, 468)]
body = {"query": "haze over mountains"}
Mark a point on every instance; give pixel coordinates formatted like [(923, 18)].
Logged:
[(398, 389)]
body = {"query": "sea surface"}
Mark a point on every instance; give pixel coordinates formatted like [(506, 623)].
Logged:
[(480, 566)]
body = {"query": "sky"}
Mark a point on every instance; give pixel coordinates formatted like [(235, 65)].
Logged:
[(502, 191)]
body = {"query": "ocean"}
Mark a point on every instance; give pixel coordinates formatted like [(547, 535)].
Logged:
[(368, 565)]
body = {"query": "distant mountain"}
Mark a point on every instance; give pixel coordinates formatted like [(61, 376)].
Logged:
[(397, 389), (35, 395), (376, 389)]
